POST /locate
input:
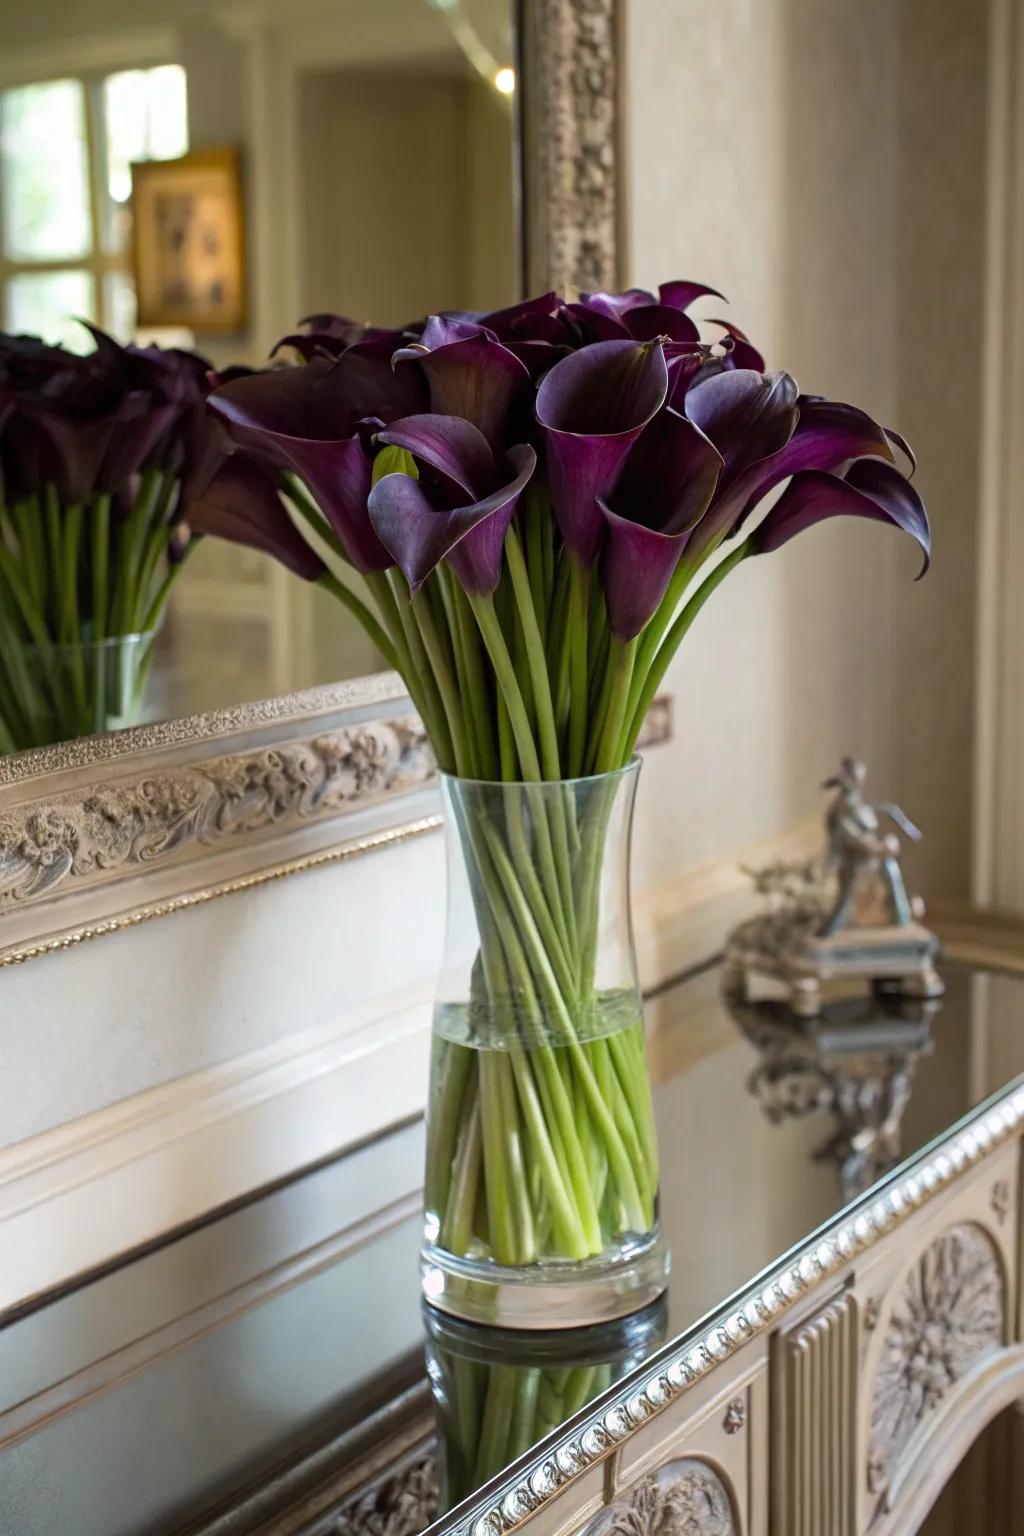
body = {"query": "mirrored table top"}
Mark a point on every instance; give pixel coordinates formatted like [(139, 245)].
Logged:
[(279, 1357)]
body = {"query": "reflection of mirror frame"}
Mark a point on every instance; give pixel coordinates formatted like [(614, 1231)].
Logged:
[(107, 832)]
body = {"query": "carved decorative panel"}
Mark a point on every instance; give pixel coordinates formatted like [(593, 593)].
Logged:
[(402, 1504), (947, 1315), (105, 833), (683, 1498), (814, 1483)]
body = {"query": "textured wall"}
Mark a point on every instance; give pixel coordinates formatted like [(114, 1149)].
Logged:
[(822, 163)]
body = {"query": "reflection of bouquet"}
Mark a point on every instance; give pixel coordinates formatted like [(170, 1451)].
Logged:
[(538, 503), (498, 1394), (99, 455)]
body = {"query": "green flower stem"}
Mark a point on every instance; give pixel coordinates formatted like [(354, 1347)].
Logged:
[(360, 611), (453, 1070), (442, 673), (579, 598), (497, 1422), (497, 1169), (620, 668), (131, 534), (468, 643), (535, 659), (482, 605), (25, 521), (54, 542), (100, 519), (523, 1433), (457, 1226), (508, 976), (429, 701), (658, 667)]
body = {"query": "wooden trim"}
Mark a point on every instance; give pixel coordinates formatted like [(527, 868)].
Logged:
[(998, 875)]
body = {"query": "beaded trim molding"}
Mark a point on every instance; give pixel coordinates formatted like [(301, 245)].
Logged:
[(760, 1310)]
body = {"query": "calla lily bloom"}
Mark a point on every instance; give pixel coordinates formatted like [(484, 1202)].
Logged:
[(664, 490), (869, 489), (242, 504), (471, 374), (306, 419), (592, 407), (461, 507)]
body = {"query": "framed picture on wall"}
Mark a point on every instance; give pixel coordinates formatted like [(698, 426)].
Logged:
[(188, 242)]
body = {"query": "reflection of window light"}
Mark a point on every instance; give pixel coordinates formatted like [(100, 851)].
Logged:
[(54, 264), (505, 80)]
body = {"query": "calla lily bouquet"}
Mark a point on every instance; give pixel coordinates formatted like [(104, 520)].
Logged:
[(527, 510), (530, 495), (99, 455)]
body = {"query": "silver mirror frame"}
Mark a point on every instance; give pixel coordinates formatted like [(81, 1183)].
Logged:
[(103, 833)]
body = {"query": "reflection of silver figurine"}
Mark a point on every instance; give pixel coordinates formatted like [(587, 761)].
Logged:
[(855, 1062), (848, 916)]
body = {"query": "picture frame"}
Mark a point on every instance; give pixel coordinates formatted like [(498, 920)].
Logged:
[(188, 242)]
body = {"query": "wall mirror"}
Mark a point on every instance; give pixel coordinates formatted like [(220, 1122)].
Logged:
[(376, 145), (270, 731)]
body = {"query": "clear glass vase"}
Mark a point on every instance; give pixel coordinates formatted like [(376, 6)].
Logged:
[(541, 1190), (51, 693), (497, 1393)]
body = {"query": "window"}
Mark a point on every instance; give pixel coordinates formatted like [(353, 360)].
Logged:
[(66, 148)]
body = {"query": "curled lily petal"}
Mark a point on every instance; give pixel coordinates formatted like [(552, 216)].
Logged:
[(469, 373), (663, 492), (592, 406), (828, 433), (616, 305), (681, 295), (648, 321), (241, 504), (904, 447), (746, 414), (453, 447), (870, 489), (749, 417), (595, 325), (420, 536), (297, 417)]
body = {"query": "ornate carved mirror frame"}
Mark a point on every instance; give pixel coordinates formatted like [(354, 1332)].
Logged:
[(106, 832)]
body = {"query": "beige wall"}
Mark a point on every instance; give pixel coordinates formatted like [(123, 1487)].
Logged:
[(822, 163), (407, 195)]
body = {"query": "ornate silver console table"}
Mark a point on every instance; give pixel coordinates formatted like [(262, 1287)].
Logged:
[(830, 1362)]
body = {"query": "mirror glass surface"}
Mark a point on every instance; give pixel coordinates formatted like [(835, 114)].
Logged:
[(292, 1333), (375, 140)]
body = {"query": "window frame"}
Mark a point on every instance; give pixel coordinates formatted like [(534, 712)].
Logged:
[(98, 262)]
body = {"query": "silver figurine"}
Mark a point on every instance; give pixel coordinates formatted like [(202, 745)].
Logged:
[(847, 915)]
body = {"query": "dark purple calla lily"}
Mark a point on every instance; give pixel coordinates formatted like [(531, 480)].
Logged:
[(460, 508), (750, 417), (331, 335), (241, 504), (869, 489), (663, 491), (471, 374), (305, 419), (592, 407), (89, 423)]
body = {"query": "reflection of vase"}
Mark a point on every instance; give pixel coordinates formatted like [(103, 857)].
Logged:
[(498, 1393), (51, 693), (855, 1061), (542, 1167)]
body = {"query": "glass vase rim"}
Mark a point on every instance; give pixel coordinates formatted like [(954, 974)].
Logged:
[(71, 647), (630, 769)]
